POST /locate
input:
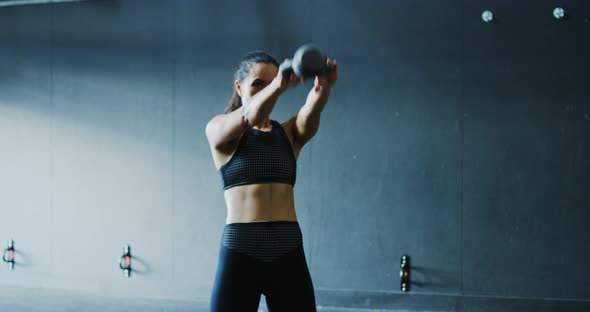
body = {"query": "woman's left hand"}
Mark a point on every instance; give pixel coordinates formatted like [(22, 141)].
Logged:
[(328, 79)]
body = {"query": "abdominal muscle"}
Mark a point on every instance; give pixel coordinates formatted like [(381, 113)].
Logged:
[(260, 202)]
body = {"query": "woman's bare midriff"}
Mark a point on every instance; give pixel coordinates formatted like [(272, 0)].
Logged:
[(260, 202)]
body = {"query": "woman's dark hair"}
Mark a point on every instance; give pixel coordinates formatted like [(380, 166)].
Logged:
[(243, 70)]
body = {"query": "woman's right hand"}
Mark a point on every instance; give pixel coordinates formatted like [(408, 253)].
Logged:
[(286, 81)]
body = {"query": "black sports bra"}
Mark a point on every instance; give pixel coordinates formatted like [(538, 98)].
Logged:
[(261, 157)]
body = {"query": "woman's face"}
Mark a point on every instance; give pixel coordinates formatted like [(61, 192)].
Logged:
[(261, 74)]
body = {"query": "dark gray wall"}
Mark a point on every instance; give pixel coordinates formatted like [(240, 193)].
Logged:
[(460, 143)]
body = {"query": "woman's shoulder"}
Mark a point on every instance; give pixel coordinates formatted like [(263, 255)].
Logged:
[(287, 123), (287, 127)]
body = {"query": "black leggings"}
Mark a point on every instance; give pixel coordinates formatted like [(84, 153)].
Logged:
[(262, 258)]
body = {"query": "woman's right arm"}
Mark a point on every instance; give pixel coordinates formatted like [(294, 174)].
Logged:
[(225, 128)]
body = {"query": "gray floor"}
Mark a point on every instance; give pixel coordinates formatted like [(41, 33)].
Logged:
[(49, 300), (43, 300), (36, 300)]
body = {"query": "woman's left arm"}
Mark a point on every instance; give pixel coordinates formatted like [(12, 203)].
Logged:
[(307, 120)]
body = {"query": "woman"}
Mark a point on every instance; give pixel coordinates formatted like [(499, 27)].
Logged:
[(261, 248)]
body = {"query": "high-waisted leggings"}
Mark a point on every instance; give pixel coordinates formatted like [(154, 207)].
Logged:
[(262, 258)]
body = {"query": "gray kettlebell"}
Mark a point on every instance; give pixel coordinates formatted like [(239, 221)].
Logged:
[(308, 61)]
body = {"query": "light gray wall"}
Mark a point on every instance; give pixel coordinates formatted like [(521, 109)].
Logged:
[(459, 143)]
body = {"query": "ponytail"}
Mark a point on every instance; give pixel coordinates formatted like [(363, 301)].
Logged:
[(234, 103), (243, 71)]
